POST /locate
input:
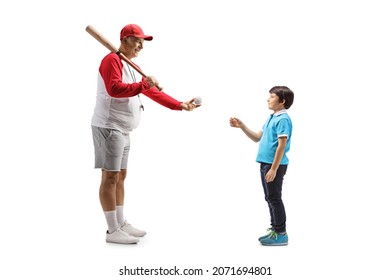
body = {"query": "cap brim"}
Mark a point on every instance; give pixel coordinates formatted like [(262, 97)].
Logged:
[(148, 38), (145, 37)]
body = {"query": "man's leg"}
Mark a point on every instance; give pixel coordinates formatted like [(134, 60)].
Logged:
[(108, 200), (110, 147), (120, 196), (107, 195)]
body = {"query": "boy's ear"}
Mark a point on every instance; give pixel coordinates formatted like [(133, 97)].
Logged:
[(283, 101)]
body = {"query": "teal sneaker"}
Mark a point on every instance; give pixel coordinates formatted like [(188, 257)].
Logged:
[(275, 239), (271, 230)]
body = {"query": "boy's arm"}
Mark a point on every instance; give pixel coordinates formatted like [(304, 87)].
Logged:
[(234, 122), (271, 174), (251, 134)]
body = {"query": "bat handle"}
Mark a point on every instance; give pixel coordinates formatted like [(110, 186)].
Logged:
[(159, 88)]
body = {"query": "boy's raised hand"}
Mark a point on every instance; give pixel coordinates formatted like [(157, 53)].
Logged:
[(235, 122)]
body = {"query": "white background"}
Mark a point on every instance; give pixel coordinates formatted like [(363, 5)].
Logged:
[(193, 182)]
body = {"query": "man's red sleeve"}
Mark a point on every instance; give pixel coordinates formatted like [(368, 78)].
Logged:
[(162, 98), (111, 71)]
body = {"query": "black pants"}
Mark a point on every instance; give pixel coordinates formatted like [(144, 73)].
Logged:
[(273, 196)]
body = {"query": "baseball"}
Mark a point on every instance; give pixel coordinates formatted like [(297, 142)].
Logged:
[(198, 100)]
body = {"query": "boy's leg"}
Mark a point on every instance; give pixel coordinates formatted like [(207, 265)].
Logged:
[(273, 196), (263, 171)]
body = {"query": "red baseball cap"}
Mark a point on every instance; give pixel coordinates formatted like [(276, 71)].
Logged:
[(133, 30)]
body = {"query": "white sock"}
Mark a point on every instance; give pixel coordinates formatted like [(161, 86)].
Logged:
[(119, 215), (112, 222)]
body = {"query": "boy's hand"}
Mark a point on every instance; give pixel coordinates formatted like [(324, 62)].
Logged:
[(235, 122), (270, 176)]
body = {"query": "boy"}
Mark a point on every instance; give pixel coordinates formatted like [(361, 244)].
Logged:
[(274, 138)]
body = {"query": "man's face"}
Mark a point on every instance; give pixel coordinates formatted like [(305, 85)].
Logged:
[(134, 46)]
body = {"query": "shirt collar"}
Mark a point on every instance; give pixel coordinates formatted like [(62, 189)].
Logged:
[(283, 111)]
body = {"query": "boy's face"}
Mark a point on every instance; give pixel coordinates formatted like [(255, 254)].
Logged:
[(274, 102)]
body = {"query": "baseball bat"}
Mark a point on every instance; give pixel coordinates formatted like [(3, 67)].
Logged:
[(99, 37)]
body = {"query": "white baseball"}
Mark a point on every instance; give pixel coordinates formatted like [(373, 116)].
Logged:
[(198, 100)]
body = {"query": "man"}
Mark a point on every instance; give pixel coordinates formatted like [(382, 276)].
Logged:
[(117, 112)]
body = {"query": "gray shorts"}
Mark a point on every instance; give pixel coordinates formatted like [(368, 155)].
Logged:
[(111, 148)]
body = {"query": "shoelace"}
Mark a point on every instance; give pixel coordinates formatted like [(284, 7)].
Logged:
[(273, 235), (271, 230)]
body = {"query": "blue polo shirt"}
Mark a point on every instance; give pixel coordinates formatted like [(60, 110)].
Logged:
[(277, 125)]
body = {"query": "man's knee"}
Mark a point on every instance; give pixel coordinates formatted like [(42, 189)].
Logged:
[(110, 177), (122, 174)]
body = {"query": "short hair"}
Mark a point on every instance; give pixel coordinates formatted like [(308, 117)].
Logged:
[(284, 93)]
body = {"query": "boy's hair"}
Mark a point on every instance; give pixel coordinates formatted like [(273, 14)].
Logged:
[(284, 93)]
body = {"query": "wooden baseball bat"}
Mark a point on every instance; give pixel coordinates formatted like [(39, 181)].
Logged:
[(94, 33)]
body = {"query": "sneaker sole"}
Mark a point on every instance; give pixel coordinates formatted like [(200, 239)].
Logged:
[(136, 235), (275, 244), (116, 242)]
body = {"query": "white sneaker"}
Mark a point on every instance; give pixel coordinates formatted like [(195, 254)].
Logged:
[(130, 230), (119, 236)]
